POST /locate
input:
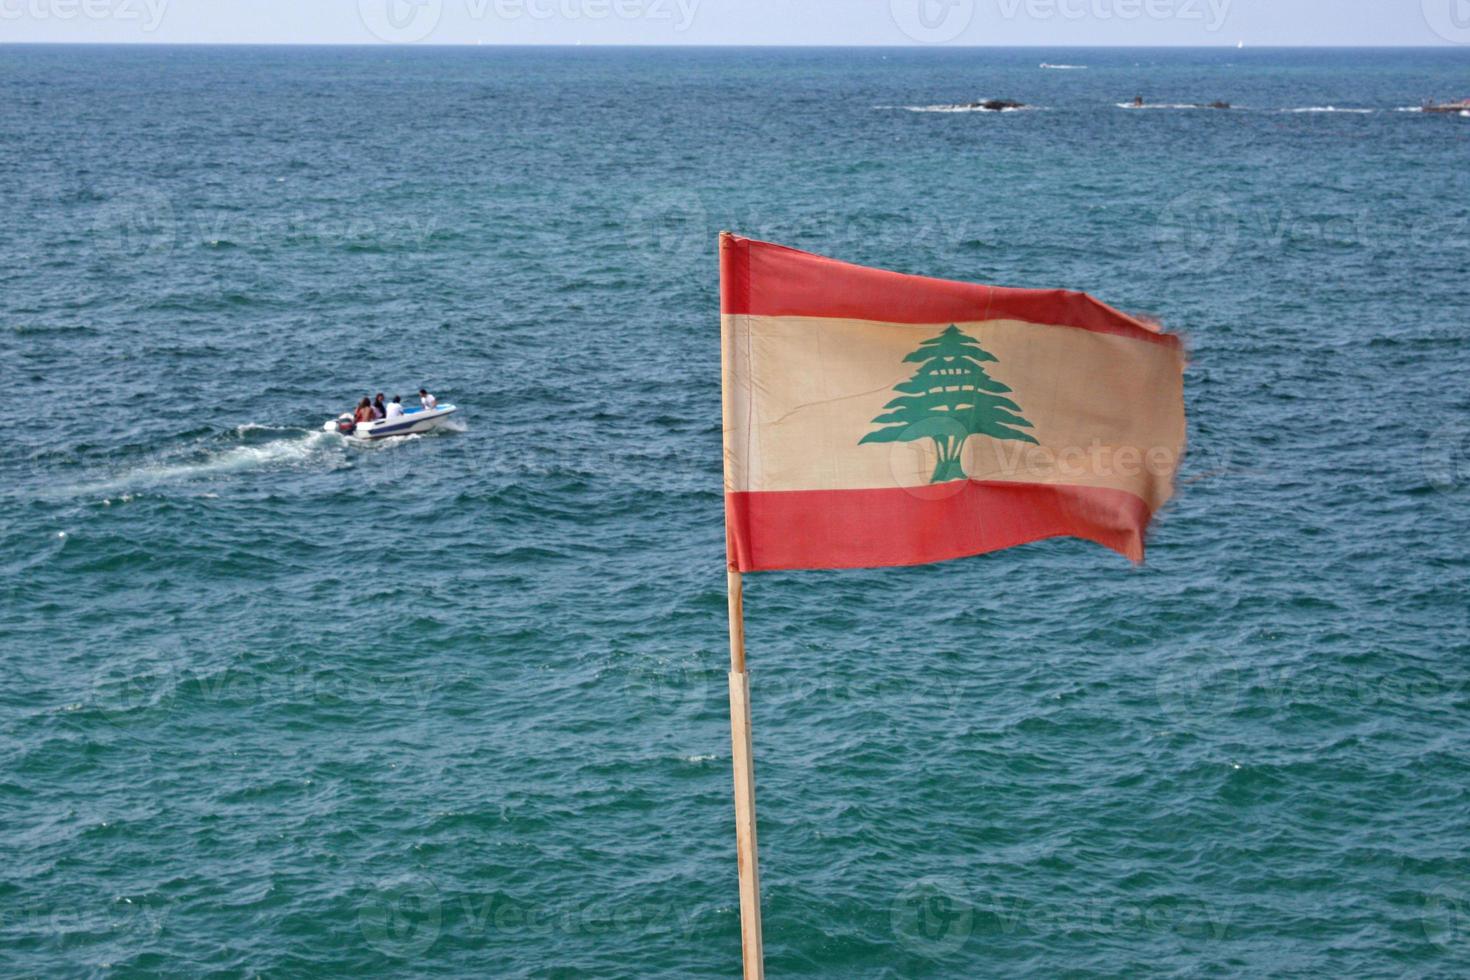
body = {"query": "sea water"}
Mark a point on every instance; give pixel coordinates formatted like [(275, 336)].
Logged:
[(278, 704)]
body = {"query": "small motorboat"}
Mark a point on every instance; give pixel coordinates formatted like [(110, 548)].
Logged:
[(411, 422)]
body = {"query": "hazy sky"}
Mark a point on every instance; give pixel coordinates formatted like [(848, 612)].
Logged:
[(881, 22)]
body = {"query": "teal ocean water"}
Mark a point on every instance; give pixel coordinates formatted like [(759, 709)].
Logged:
[(274, 705)]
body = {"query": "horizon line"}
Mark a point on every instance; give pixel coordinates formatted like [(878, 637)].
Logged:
[(1440, 46)]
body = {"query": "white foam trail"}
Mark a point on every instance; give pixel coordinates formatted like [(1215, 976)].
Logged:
[(959, 108), (279, 452), (240, 458), (381, 445), (1332, 108), (1170, 105), (1064, 67), (294, 447)]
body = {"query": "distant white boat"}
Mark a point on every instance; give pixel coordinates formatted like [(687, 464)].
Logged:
[(1239, 45)]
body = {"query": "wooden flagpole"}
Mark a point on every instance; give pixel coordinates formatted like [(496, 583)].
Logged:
[(752, 952)]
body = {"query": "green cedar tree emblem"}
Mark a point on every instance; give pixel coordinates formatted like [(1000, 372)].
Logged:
[(950, 398)]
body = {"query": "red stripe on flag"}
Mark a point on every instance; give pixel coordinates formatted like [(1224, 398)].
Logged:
[(772, 530), (764, 279)]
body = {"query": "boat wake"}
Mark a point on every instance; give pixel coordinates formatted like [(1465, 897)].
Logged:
[(1332, 108), (1178, 106), (259, 447), (252, 447), (959, 108), (1064, 67)]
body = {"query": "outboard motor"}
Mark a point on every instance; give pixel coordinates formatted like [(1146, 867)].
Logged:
[(346, 425)]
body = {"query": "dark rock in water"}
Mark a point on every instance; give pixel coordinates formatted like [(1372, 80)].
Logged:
[(997, 105)]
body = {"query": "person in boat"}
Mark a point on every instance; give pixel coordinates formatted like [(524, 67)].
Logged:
[(395, 408), (1138, 102), (379, 408), (364, 411), (427, 400)]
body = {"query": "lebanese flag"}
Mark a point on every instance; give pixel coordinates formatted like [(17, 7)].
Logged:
[(873, 418)]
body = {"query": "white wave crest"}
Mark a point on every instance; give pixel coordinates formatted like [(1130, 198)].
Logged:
[(1169, 105), (960, 108), (250, 428)]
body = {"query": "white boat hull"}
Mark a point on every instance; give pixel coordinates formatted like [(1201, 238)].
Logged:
[(412, 422)]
